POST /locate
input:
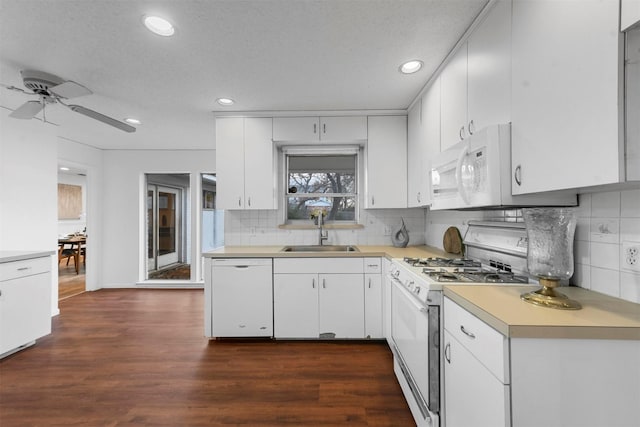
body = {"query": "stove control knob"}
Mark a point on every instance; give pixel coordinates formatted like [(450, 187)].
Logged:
[(417, 289), (396, 273)]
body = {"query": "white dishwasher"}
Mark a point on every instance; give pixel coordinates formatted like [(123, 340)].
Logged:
[(242, 297)]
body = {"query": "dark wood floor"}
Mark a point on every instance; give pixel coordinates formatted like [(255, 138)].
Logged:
[(138, 357)]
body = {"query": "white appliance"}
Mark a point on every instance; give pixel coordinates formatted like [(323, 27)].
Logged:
[(476, 173), (241, 298), (497, 255)]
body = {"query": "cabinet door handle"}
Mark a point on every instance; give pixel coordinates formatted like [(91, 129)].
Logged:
[(467, 333), (24, 268), (418, 197), (313, 283), (447, 352), (324, 283), (324, 128), (517, 175), (239, 201), (369, 282), (249, 201), (315, 128), (461, 133), (471, 127), (373, 201)]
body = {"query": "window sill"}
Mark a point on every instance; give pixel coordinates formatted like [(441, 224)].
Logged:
[(325, 227)]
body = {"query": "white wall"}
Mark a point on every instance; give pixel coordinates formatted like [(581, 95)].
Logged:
[(28, 188), (124, 197)]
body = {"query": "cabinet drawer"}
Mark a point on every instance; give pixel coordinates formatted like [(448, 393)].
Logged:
[(485, 343), (317, 265), (23, 268), (372, 265)]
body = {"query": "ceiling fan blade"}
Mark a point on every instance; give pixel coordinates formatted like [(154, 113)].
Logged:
[(27, 110), (70, 89), (102, 118)]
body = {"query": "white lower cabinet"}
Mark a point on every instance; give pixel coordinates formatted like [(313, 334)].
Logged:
[(492, 380), (373, 306), (319, 298), (25, 302)]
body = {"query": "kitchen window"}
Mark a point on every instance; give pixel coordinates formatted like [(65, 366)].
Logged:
[(321, 183)]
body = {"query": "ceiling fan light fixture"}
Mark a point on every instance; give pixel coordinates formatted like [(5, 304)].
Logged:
[(132, 121), (411, 67), (159, 25), (225, 102)]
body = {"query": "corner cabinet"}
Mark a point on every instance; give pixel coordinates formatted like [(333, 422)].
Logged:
[(25, 302), (245, 164), (346, 129), (423, 143), (386, 163), (566, 95)]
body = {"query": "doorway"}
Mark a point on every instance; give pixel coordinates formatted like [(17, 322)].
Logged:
[(167, 227)]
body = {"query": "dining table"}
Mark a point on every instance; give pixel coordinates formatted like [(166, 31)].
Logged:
[(77, 243)]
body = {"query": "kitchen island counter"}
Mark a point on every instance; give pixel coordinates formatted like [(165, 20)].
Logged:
[(364, 251), (601, 316)]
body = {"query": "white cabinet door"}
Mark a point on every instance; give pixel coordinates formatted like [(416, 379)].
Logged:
[(472, 395), (629, 14), (430, 135), (453, 101), (565, 95), (341, 306), (25, 310), (415, 157), (295, 305), (315, 129), (373, 306), (386, 167), (259, 161), (489, 69), (343, 129), (301, 129), (230, 163), (386, 301), (242, 300), (632, 107)]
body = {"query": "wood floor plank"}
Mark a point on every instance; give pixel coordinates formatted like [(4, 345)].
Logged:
[(138, 357)]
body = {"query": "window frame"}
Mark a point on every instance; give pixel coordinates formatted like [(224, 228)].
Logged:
[(287, 151)]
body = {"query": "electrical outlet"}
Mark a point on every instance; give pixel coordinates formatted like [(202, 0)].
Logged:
[(631, 255)]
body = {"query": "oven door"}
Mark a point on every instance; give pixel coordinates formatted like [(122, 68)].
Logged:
[(416, 336)]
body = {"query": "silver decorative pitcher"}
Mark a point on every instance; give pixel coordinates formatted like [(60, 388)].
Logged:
[(550, 234)]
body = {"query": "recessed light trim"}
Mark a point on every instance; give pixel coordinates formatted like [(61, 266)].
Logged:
[(411, 67), (64, 168), (158, 25), (132, 121), (225, 102)]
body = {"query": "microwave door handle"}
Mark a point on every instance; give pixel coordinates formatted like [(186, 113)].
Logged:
[(461, 190)]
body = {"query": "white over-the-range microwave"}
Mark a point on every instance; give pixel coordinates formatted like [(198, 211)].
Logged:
[(476, 173)]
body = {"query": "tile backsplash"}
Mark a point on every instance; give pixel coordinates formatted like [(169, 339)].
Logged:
[(608, 222), (260, 227)]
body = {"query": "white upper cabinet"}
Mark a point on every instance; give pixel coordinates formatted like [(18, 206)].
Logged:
[(629, 14), (489, 69), (315, 129), (386, 163), (476, 82), (565, 95), (453, 103), (423, 143), (245, 164)]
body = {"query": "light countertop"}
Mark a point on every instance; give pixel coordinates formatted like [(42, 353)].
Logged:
[(365, 251), (10, 256), (601, 316)]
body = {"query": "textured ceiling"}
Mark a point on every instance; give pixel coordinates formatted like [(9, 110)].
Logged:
[(268, 55)]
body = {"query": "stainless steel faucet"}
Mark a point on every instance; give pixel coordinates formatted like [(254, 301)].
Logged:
[(322, 235)]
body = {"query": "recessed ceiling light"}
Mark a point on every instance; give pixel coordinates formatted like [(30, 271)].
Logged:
[(63, 168), (158, 25), (411, 67), (225, 102), (132, 121)]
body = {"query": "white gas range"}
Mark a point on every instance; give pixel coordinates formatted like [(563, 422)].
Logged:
[(496, 254)]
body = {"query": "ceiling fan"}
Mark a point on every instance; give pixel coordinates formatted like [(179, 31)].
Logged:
[(52, 89)]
